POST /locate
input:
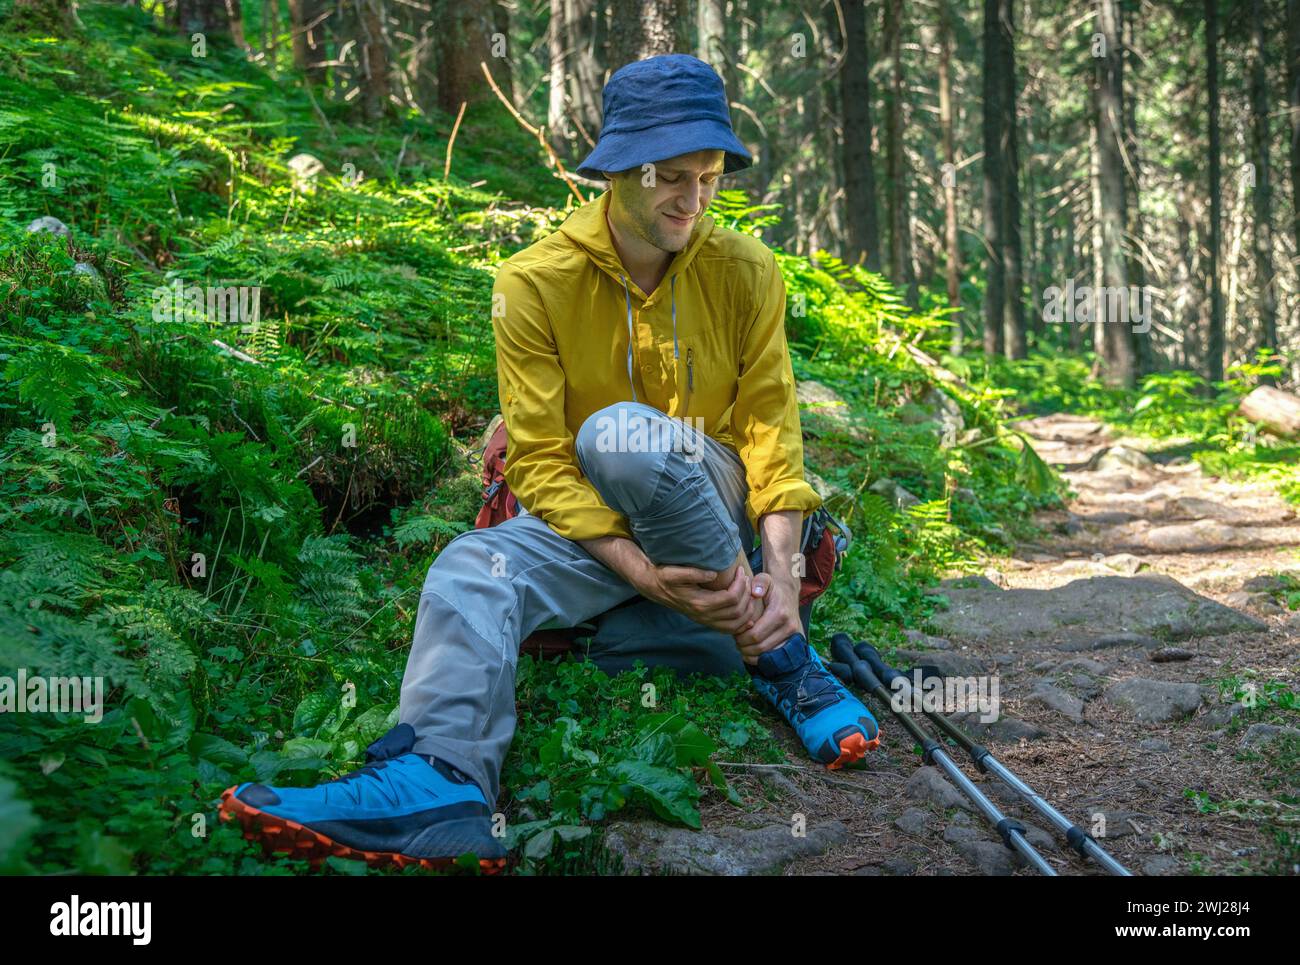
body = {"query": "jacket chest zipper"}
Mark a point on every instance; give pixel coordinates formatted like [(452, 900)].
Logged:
[(690, 377)]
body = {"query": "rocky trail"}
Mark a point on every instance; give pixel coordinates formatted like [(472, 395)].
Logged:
[(1117, 643)]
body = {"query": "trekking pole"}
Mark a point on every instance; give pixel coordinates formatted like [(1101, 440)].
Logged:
[(1078, 839), (851, 668)]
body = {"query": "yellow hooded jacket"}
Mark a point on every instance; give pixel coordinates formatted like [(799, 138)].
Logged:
[(708, 344)]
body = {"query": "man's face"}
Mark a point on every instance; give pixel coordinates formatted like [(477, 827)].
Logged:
[(662, 204)]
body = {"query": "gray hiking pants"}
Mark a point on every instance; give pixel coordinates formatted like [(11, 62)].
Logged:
[(489, 589)]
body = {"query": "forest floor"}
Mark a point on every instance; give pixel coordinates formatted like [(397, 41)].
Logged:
[(1147, 672)]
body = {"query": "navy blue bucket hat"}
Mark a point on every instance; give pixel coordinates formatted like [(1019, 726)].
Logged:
[(659, 108)]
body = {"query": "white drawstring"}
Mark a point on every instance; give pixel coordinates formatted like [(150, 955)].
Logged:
[(672, 289), (627, 296)]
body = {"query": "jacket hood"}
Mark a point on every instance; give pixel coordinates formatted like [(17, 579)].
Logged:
[(588, 229)]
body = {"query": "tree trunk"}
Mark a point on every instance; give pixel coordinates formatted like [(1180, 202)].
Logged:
[(644, 28), (58, 17), (309, 31), (372, 41), (464, 41), (585, 19), (952, 261), (1262, 234), (1117, 362), (994, 166), (1214, 341), (1035, 237), (1013, 316), (235, 17), (711, 24), (207, 17), (861, 208), (1293, 102), (266, 30), (502, 69), (1144, 356), (1232, 268), (1188, 295), (1074, 247), (1094, 235), (556, 37), (900, 235)]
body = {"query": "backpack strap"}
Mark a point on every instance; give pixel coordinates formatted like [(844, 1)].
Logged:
[(499, 503)]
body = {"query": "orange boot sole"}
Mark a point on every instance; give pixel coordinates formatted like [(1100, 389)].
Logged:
[(290, 837), (854, 748)]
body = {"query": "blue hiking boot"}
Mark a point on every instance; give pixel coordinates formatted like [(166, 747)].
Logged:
[(401, 808), (835, 727)]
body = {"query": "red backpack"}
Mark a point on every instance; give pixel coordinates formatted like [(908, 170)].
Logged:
[(825, 542)]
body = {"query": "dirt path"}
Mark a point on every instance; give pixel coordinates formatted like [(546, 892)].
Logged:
[(1108, 641)]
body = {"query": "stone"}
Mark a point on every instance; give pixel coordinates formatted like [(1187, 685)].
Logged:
[(1151, 605), (991, 858), (304, 171), (1067, 428), (1116, 824), (1119, 459), (1054, 698), (913, 821), (831, 494), (995, 532), (1264, 733), (998, 578), (823, 411), (1202, 536), (1125, 563), (1109, 641), (928, 784), (47, 224), (962, 833), (895, 493), (1038, 837), (1264, 603), (1075, 568), (947, 413), (898, 867), (1264, 583), (923, 641), (1084, 665), (1222, 715), (1161, 864), (650, 846), (947, 663), (996, 789), (1004, 729), (1276, 410), (1154, 701), (778, 782), (1170, 655)]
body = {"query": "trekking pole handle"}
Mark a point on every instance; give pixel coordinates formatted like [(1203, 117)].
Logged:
[(871, 655), (842, 651)]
